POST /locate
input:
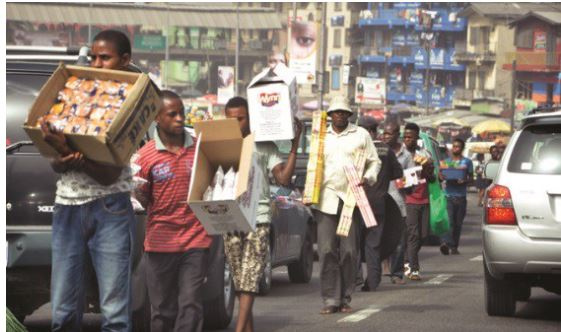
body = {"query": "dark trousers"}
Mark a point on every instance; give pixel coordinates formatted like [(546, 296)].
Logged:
[(456, 213), (372, 244), (396, 259), (417, 221), (337, 258), (175, 282)]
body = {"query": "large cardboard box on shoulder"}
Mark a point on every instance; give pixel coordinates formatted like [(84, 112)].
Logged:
[(273, 102), (220, 143), (127, 129)]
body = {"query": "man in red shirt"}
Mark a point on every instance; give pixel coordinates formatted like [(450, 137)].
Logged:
[(176, 244)]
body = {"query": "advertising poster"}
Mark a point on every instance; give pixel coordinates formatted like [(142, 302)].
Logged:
[(304, 40), (370, 90), (540, 40), (225, 84)]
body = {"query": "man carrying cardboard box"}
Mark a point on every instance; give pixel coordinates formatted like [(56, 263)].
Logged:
[(176, 244), (338, 255), (93, 214), (246, 253)]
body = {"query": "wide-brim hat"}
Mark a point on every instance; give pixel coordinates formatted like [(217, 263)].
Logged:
[(339, 103)]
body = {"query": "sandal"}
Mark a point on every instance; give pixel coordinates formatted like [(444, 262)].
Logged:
[(345, 308), (328, 309)]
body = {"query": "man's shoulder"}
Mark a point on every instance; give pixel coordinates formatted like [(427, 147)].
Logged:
[(149, 147)]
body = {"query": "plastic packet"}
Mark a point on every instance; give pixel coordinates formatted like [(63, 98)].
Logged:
[(207, 195), (229, 184), (218, 178), (217, 192)]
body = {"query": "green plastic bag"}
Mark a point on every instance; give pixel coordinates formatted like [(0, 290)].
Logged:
[(439, 220)]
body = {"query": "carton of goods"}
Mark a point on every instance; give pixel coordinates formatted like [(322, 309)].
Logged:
[(314, 170), (103, 113), (224, 203), (273, 102), (452, 171), (411, 177)]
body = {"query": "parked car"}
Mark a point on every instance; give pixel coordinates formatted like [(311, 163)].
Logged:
[(30, 190), (522, 220)]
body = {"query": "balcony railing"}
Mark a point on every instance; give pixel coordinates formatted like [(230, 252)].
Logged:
[(470, 94), (535, 59)]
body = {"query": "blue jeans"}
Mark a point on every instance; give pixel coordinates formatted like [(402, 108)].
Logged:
[(103, 229), (456, 206)]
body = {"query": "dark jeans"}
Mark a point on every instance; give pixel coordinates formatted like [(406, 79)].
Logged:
[(456, 213), (417, 221), (337, 258), (396, 259), (175, 283), (372, 243), (104, 230)]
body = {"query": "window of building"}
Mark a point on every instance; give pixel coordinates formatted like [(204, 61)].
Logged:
[(335, 78), (471, 79), (524, 38), (337, 38), (265, 4), (338, 6), (482, 76)]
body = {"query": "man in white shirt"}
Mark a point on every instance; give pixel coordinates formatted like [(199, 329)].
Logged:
[(338, 254)]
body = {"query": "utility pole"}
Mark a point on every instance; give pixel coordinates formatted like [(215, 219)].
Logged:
[(322, 54), (236, 70), (166, 63), (513, 95)]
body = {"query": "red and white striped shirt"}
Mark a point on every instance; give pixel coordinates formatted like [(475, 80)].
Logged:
[(172, 226)]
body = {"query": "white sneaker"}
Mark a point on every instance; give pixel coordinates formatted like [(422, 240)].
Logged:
[(406, 270), (415, 275)]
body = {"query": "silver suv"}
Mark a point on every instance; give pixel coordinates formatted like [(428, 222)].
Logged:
[(522, 220)]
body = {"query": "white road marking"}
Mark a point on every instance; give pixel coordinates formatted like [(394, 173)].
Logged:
[(360, 315), (477, 258), (439, 279)]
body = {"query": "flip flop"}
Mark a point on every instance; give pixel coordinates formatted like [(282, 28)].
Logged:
[(328, 309)]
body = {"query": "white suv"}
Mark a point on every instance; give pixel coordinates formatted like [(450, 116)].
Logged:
[(522, 220)]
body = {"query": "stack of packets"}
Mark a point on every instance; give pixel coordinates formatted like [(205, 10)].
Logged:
[(412, 176), (86, 106), (222, 186), (315, 162), (355, 197)]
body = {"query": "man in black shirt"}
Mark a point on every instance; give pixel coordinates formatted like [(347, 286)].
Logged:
[(390, 170)]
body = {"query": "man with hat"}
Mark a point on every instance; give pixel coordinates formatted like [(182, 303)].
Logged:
[(338, 254)]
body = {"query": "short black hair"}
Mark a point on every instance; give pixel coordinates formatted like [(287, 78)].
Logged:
[(413, 126), (169, 94), (237, 102), (459, 140), (117, 38), (368, 123)]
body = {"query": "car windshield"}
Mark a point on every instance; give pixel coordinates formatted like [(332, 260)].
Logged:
[(537, 151), (21, 91)]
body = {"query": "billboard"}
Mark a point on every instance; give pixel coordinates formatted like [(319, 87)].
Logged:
[(370, 90), (303, 48), (225, 84)]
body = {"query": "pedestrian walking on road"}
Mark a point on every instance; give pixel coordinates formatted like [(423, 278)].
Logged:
[(417, 202), (390, 170), (176, 246), (338, 254), (93, 216), (390, 136), (456, 195), (247, 253)]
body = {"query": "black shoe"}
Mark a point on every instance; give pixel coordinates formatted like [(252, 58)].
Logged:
[(444, 249), (366, 288), (455, 251)]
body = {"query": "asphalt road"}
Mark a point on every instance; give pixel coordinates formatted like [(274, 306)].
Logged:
[(448, 298)]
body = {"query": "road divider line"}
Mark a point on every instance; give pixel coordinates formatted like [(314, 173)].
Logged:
[(477, 258), (439, 279), (360, 315)]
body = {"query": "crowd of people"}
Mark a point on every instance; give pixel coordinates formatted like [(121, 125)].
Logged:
[(93, 214)]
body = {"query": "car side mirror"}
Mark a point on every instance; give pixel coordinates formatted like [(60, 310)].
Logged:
[(491, 169)]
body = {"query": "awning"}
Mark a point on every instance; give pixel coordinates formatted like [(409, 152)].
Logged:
[(131, 14)]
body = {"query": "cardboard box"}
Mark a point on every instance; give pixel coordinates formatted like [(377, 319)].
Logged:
[(125, 132), (273, 102), (454, 173), (220, 143)]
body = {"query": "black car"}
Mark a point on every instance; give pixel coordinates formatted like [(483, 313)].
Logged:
[(30, 191)]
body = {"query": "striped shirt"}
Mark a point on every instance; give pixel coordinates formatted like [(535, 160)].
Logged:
[(172, 226)]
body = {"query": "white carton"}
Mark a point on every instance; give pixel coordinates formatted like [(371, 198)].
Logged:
[(273, 102), (220, 143)]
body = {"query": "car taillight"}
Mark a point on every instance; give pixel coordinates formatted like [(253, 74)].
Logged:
[(499, 209)]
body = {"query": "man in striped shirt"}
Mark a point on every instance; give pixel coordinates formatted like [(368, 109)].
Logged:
[(176, 244)]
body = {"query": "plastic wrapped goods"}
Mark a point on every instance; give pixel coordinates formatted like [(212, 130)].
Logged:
[(315, 162), (222, 186)]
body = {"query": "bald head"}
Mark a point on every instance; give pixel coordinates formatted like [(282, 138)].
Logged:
[(391, 134)]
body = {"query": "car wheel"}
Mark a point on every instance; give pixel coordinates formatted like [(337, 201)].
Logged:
[(218, 312), (301, 271), (500, 297), (267, 277)]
